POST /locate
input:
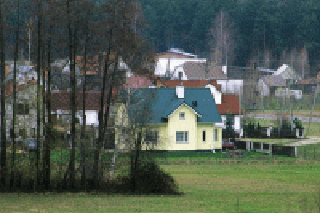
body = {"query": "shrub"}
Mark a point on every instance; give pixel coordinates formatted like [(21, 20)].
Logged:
[(151, 179), (298, 123)]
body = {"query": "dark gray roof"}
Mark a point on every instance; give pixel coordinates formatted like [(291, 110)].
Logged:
[(154, 104), (274, 80), (197, 71)]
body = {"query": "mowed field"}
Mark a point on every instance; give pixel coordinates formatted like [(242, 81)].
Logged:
[(211, 183)]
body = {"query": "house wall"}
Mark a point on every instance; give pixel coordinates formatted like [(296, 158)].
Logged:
[(209, 144), (27, 122), (236, 124), (167, 134), (189, 124), (230, 86), (162, 64)]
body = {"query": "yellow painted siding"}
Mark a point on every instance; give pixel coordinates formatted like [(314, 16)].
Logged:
[(167, 132), (208, 128), (189, 124), (218, 143), (209, 144), (163, 139)]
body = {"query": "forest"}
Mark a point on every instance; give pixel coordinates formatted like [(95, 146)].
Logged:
[(35, 155), (278, 27)]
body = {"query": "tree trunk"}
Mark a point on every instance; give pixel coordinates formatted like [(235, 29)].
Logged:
[(3, 173), (47, 145), (38, 92), (134, 164), (101, 123), (73, 109), (83, 156), (16, 55)]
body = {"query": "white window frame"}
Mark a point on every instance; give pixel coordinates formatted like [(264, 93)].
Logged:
[(185, 136), (182, 117), (204, 135)]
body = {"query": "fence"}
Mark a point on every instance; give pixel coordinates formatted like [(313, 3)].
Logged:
[(290, 151)]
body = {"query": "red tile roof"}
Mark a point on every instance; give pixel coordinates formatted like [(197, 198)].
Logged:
[(138, 81), (61, 100), (229, 103), (9, 86)]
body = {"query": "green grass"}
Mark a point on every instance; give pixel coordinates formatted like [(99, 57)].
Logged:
[(310, 151), (270, 188)]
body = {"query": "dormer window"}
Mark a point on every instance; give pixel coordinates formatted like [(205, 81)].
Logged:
[(181, 115), (194, 103)]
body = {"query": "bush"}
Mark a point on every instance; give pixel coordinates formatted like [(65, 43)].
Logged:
[(298, 123), (251, 132), (151, 179)]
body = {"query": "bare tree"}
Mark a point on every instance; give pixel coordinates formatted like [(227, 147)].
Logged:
[(16, 56), (3, 101), (48, 126), (304, 62), (83, 131), (38, 90), (221, 39)]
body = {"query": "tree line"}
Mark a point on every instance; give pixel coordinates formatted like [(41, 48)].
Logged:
[(259, 26), (113, 29)]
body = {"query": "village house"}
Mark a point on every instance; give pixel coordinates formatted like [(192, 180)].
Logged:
[(182, 119)]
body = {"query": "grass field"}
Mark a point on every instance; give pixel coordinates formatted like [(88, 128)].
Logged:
[(255, 187)]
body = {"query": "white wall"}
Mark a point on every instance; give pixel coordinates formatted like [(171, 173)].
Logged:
[(264, 89), (230, 86), (236, 123), (176, 73), (91, 117), (222, 124), (162, 64)]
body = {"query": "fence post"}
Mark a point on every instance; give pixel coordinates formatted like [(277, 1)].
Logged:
[(270, 149)]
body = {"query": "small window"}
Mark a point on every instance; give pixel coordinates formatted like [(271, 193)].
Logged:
[(215, 135), (23, 109), (254, 106), (182, 137), (204, 136), (180, 75), (152, 137), (181, 116)]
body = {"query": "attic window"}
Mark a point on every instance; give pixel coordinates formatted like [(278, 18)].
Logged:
[(181, 116), (163, 119), (194, 103)]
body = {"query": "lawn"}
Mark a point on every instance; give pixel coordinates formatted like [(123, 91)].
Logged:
[(310, 151), (291, 187)]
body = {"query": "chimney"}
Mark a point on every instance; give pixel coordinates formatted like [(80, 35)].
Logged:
[(180, 91)]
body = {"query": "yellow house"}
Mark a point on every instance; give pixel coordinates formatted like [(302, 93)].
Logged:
[(176, 119)]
